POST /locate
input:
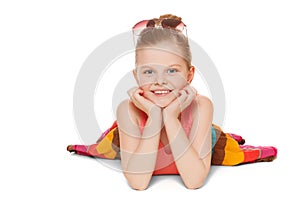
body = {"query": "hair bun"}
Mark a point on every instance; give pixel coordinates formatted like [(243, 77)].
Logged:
[(170, 16)]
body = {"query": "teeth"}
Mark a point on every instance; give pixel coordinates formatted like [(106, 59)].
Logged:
[(161, 92)]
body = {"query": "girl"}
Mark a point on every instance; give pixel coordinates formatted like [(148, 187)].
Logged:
[(165, 126)]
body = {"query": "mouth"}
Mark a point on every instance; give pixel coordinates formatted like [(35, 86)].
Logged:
[(161, 93)]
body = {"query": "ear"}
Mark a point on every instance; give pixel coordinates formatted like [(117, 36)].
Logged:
[(135, 76), (191, 73)]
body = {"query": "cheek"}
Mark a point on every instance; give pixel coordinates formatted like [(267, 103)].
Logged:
[(145, 87), (145, 81), (178, 82)]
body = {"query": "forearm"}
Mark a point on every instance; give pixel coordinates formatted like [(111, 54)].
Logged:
[(188, 162), (141, 163), (143, 159)]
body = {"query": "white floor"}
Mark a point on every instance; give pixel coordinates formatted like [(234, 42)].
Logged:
[(88, 178), (43, 169)]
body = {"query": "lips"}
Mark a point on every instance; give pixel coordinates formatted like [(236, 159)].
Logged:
[(163, 92)]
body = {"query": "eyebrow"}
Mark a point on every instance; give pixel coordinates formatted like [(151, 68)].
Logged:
[(175, 64), (141, 67)]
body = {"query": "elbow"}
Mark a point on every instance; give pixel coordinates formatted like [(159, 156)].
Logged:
[(136, 186), (195, 182), (194, 185), (138, 182)]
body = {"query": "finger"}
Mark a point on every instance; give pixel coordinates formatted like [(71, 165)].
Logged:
[(183, 92), (141, 100), (131, 91), (133, 96), (138, 94), (137, 103), (182, 97), (194, 89), (189, 98), (134, 100), (191, 92), (179, 97), (175, 91), (189, 89), (134, 93)]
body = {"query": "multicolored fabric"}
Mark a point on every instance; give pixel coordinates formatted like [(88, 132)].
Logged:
[(229, 148)]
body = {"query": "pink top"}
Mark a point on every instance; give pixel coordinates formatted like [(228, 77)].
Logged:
[(165, 162)]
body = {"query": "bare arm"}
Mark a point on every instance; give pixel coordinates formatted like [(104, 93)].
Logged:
[(192, 155), (138, 150)]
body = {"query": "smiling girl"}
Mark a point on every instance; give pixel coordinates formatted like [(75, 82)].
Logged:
[(165, 126)]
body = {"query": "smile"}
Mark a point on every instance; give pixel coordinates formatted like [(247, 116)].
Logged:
[(161, 92)]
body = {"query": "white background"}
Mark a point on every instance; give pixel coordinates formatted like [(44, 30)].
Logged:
[(254, 45)]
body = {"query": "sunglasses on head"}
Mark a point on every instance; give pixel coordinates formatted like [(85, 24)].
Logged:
[(164, 23)]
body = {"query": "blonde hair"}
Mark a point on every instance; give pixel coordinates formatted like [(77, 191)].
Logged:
[(152, 37)]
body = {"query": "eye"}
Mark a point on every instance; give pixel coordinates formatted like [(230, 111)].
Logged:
[(148, 71), (172, 70)]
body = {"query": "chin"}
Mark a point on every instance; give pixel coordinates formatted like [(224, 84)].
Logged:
[(162, 105), (163, 102)]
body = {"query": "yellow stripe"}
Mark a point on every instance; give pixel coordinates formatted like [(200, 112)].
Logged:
[(105, 147), (233, 153)]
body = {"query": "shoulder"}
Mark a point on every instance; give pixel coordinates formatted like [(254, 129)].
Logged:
[(203, 103), (127, 106), (126, 109)]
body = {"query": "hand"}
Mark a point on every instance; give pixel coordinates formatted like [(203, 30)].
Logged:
[(183, 100), (136, 96)]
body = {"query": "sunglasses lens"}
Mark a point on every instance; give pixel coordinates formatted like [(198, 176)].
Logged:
[(170, 23), (141, 27), (151, 24), (141, 24)]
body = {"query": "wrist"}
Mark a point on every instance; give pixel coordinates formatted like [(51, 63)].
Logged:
[(169, 114), (155, 111), (169, 117), (172, 125), (153, 125)]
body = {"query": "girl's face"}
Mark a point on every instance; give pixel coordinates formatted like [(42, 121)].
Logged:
[(161, 74)]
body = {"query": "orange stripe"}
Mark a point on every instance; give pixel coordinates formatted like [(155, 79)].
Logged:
[(233, 154)]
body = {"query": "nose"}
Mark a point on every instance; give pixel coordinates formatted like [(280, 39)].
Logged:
[(160, 80)]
